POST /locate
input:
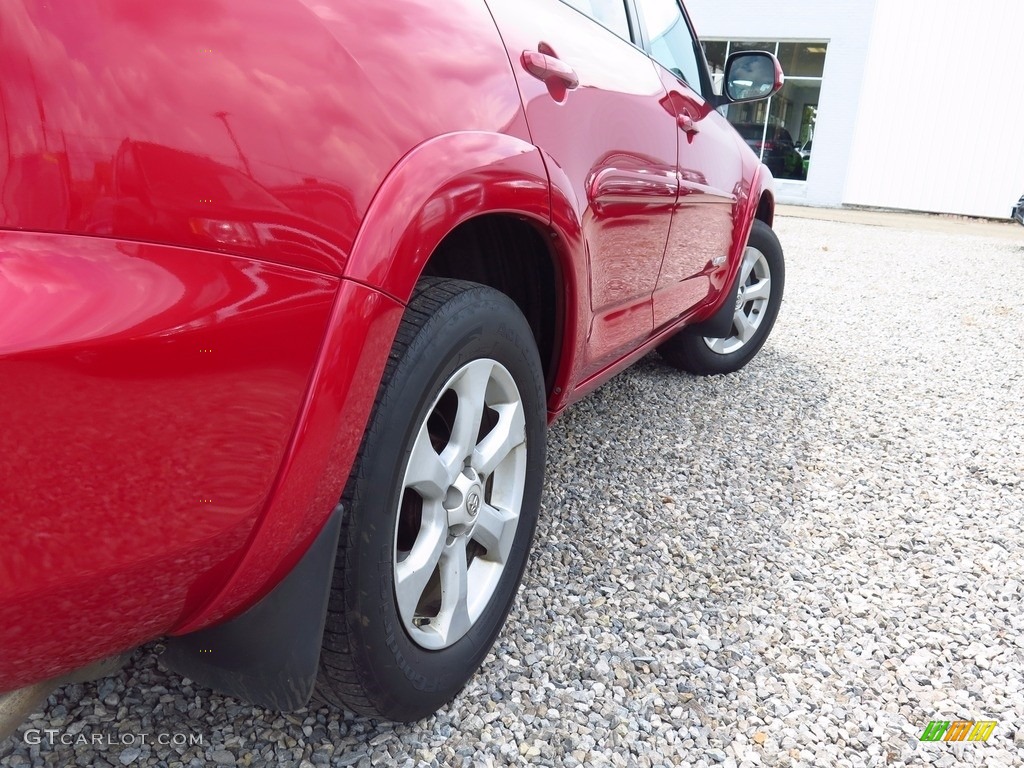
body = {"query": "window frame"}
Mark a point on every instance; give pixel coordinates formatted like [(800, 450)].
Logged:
[(705, 90), (631, 22)]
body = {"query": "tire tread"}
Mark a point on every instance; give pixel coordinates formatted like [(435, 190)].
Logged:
[(340, 682)]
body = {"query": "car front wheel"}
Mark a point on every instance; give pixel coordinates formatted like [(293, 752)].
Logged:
[(762, 277), (440, 508)]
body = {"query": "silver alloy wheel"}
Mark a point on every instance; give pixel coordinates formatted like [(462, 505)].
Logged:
[(751, 303), (461, 498)]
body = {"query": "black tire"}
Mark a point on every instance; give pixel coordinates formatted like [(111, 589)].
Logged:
[(689, 351), (370, 662)]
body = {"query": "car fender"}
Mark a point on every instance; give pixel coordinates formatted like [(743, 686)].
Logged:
[(456, 177), (442, 183), (439, 185), (754, 199)]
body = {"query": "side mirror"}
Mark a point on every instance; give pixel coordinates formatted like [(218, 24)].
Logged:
[(751, 76)]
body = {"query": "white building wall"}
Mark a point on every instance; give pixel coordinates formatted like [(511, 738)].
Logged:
[(846, 26), (941, 123)]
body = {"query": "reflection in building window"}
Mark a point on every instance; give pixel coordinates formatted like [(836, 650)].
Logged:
[(608, 13), (781, 129)]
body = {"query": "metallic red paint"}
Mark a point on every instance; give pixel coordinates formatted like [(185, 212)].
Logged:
[(442, 183), (623, 173), (229, 126), (141, 433), (233, 125), (701, 238), (211, 213), (315, 469)]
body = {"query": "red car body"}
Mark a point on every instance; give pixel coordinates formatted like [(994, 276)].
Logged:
[(212, 213)]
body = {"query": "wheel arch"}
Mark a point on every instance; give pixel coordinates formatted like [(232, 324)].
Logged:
[(766, 208), (757, 204), (511, 254), (489, 208), (442, 183)]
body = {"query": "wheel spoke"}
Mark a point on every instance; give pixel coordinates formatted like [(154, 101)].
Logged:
[(471, 387), (413, 573), (744, 328), (507, 434), (716, 345), (471, 490), (750, 257), (452, 620), (426, 473), (756, 286), (496, 530), (760, 290)]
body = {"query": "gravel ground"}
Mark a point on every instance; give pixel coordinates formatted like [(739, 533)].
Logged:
[(800, 564)]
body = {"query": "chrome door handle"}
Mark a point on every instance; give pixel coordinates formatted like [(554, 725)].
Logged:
[(686, 122), (545, 67)]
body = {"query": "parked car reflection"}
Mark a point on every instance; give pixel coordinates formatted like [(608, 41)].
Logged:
[(776, 148)]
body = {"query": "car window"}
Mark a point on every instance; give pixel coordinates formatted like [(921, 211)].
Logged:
[(750, 131), (672, 44), (607, 13)]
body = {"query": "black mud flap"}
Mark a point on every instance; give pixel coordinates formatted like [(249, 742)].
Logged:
[(719, 325), (268, 655)]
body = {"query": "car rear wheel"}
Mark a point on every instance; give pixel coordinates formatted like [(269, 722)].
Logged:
[(441, 506), (761, 278)]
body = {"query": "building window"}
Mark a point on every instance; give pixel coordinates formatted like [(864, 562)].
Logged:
[(780, 130)]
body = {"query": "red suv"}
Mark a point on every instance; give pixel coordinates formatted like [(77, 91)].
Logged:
[(257, 256)]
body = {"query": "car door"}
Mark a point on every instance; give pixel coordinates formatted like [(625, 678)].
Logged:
[(710, 167), (595, 107)]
